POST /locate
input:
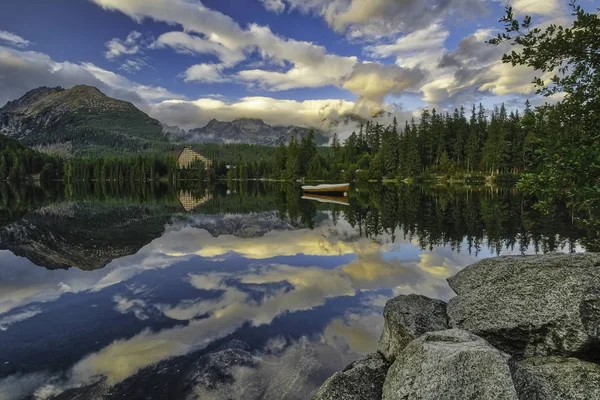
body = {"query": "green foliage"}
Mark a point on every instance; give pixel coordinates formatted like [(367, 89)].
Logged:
[(144, 167), (563, 154), (18, 163)]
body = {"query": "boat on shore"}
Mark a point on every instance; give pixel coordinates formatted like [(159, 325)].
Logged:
[(341, 200), (322, 189)]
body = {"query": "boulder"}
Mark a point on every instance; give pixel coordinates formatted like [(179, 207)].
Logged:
[(532, 305), (556, 378), (408, 317), (451, 364), (361, 380)]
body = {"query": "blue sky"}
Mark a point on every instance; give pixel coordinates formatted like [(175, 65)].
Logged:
[(302, 62)]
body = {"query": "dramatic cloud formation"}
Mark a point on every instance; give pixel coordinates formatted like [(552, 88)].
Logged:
[(311, 66), (377, 18), (196, 113), (22, 71), (372, 82), (358, 59)]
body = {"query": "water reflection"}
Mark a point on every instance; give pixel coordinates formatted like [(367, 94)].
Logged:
[(159, 292)]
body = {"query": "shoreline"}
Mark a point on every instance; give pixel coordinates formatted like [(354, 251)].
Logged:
[(520, 327)]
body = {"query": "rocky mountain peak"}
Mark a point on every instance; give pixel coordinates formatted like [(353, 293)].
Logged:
[(31, 97), (81, 115), (246, 130)]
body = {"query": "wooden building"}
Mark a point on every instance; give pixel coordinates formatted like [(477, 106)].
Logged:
[(189, 156), (189, 202)]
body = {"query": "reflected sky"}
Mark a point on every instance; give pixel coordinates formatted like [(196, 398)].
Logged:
[(304, 301)]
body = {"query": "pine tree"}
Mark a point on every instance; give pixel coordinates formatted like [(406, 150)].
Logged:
[(461, 128), (391, 150), (495, 150), (292, 168), (280, 160), (413, 156), (3, 167), (308, 149), (472, 145), (336, 148), (528, 128), (426, 138)]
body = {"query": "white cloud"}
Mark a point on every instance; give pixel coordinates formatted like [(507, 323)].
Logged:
[(205, 73), (193, 16), (475, 69), (135, 306), (13, 39), (540, 7), (312, 66), (190, 44), (307, 64), (117, 47), (134, 65), (330, 72), (119, 83), (7, 321), (430, 37), (372, 82), (276, 6), (377, 18), (21, 71)]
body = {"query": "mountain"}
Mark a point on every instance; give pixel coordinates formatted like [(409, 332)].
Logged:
[(246, 130), (84, 117), (69, 234)]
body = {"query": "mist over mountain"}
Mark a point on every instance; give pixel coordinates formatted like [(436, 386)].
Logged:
[(83, 120), (248, 131)]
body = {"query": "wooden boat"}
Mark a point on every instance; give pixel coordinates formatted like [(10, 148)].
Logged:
[(343, 201), (336, 188)]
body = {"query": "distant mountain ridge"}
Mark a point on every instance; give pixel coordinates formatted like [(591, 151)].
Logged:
[(83, 120), (82, 116), (248, 131)]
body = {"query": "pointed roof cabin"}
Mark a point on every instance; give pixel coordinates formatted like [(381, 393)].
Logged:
[(187, 157)]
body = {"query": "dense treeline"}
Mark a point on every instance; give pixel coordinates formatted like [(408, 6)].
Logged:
[(18, 162), (441, 143), (141, 167)]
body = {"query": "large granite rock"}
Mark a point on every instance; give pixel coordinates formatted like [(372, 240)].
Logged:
[(408, 317), (451, 364), (556, 378), (361, 380), (533, 305)]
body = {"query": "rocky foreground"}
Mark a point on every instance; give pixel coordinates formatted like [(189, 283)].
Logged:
[(519, 328)]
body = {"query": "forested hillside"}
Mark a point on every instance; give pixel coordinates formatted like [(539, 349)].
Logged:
[(17, 162), (82, 119)]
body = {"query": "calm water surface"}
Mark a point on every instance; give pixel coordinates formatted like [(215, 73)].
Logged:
[(240, 291)]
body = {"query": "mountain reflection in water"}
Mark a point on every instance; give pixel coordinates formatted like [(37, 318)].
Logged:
[(240, 291)]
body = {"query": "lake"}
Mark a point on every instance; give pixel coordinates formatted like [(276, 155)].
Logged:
[(239, 290)]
